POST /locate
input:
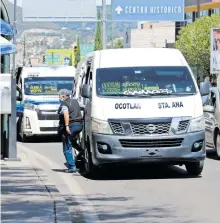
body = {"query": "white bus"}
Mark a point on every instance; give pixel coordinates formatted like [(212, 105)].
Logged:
[(39, 99)]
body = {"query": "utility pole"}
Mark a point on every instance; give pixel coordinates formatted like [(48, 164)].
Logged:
[(198, 9), (104, 24), (112, 24), (12, 153), (24, 53)]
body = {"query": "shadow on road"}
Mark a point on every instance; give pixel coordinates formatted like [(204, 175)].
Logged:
[(211, 154), (141, 172), (42, 139), (23, 197), (120, 209)]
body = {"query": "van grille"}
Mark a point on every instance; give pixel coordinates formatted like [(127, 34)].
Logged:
[(47, 116), (117, 128), (48, 129), (156, 143), (138, 128), (183, 125), (142, 129)]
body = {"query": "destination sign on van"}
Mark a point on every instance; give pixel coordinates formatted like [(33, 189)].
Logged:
[(177, 104), (127, 106)]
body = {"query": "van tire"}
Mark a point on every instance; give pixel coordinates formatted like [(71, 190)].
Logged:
[(89, 167), (23, 138), (195, 168), (217, 144)]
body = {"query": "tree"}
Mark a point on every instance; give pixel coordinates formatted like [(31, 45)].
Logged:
[(98, 38), (77, 54), (194, 42), (119, 44)]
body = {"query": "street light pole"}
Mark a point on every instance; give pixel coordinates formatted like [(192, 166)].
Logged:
[(104, 24), (12, 155), (198, 9), (24, 53)]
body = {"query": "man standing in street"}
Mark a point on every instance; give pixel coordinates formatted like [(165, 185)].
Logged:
[(71, 124)]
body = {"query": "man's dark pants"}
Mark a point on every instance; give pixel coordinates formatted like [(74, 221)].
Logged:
[(69, 141)]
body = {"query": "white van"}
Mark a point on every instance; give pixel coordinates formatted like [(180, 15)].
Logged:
[(39, 98), (141, 106)]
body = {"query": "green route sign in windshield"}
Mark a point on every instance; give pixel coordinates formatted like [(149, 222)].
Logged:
[(117, 87), (47, 85)]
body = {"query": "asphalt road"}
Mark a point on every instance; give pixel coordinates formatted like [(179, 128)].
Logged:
[(147, 194)]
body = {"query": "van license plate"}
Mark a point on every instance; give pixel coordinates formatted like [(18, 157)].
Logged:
[(151, 153), (56, 124)]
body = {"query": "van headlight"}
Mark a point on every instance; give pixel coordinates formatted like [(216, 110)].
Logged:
[(101, 127), (197, 124), (30, 106)]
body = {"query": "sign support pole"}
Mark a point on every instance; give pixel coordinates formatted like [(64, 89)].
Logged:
[(12, 153), (104, 24), (198, 9)]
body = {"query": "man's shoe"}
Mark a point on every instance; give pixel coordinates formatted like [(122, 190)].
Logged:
[(70, 171)]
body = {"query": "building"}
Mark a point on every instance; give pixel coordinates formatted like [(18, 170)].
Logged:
[(206, 8), (151, 34)]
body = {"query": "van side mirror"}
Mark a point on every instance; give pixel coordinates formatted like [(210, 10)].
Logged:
[(18, 94), (209, 109), (86, 91), (204, 88)]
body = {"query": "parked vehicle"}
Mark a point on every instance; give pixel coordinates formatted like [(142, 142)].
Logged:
[(141, 106), (39, 99), (212, 120)]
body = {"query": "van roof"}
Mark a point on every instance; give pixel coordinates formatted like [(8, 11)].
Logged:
[(133, 57)]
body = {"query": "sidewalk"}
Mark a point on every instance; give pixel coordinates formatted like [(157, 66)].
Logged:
[(28, 196)]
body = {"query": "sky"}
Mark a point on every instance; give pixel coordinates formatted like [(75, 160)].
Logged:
[(99, 2)]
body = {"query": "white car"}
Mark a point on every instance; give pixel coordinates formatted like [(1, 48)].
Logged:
[(212, 120)]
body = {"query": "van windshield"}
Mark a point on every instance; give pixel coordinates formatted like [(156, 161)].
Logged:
[(47, 85), (144, 81)]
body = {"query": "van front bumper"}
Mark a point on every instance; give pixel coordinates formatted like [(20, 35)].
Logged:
[(178, 149)]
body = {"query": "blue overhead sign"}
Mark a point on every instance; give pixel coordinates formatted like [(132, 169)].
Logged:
[(144, 10)]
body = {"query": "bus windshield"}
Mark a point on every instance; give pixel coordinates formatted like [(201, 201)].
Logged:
[(47, 85)]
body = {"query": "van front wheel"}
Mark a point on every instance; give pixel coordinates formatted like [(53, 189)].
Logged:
[(195, 169), (89, 167)]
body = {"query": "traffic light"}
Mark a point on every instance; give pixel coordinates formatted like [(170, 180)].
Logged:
[(44, 59), (75, 49)]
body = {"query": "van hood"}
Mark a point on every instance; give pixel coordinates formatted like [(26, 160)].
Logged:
[(186, 106)]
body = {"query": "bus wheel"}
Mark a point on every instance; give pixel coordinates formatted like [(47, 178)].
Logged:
[(23, 137)]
